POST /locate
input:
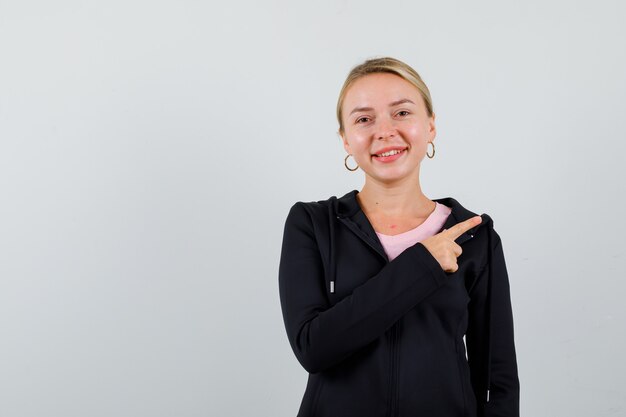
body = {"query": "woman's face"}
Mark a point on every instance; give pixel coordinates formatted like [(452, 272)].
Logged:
[(382, 111)]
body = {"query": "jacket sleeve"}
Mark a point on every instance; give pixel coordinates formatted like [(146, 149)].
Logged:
[(322, 335), (490, 338)]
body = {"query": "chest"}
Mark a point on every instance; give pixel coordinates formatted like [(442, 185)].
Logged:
[(394, 226), (357, 260)]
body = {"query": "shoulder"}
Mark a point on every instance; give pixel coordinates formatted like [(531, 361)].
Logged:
[(460, 212), (484, 235), (314, 212), (312, 207)]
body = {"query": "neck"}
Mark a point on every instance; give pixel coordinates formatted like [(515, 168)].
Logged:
[(401, 199)]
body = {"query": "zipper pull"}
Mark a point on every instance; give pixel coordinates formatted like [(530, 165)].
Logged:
[(487, 394), (332, 286)]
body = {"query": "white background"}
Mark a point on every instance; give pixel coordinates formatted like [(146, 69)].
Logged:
[(150, 152)]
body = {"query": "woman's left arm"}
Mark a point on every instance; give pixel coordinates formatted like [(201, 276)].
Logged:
[(493, 368)]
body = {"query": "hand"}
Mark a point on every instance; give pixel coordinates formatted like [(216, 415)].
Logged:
[(443, 247)]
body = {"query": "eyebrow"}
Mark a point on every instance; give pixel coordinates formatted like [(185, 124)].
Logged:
[(394, 103)]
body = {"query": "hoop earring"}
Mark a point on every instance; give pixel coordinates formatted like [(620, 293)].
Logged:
[(433, 155), (345, 163)]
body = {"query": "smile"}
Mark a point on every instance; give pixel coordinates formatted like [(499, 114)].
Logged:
[(395, 151), (389, 156)]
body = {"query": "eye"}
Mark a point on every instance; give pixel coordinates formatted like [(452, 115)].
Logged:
[(361, 118), (403, 111)]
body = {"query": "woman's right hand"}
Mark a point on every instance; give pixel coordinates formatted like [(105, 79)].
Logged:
[(443, 246)]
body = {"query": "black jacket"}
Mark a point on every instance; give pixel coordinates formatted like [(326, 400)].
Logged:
[(385, 338)]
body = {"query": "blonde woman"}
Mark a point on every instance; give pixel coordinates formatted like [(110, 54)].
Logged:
[(395, 303)]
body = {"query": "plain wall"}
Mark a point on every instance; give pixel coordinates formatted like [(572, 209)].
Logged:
[(150, 152)]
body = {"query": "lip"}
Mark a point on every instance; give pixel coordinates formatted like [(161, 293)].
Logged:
[(391, 158), (389, 148)]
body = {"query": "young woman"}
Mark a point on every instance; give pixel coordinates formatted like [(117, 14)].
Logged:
[(396, 304)]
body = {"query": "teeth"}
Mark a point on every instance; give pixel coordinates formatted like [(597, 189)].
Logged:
[(390, 153)]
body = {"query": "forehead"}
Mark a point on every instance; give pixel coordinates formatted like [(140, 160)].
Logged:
[(379, 89)]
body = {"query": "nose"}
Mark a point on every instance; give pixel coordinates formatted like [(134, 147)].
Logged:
[(386, 129)]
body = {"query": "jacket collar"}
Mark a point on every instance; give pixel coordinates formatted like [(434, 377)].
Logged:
[(347, 207)]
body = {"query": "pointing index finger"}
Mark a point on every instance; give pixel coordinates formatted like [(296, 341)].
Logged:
[(462, 227)]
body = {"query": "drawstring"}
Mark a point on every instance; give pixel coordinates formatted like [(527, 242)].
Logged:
[(490, 311), (332, 208)]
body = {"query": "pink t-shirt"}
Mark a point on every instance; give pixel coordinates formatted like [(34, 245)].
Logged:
[(395, 245)]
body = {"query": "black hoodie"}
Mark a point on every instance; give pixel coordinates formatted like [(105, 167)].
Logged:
[(385, 338)]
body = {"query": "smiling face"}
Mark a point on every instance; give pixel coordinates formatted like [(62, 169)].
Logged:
[(384, 112)]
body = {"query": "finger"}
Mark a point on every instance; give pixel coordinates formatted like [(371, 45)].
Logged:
[(452, 269), (457, 249), (462, 227)]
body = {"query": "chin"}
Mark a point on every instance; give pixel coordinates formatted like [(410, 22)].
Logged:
[(396, 174), (389, 178)]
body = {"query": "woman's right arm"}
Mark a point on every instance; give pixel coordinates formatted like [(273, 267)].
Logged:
[(322, 335)]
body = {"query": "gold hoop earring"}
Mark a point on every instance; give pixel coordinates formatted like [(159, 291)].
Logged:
[(433, 155), (345, 163)]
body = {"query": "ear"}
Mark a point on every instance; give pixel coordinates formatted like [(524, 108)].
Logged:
[(432, 129), (346, 145)]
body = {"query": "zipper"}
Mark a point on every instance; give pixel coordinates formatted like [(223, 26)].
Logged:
[(393, 389), (393, 333)]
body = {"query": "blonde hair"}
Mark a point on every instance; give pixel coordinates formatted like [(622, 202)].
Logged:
[(388, 65)]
